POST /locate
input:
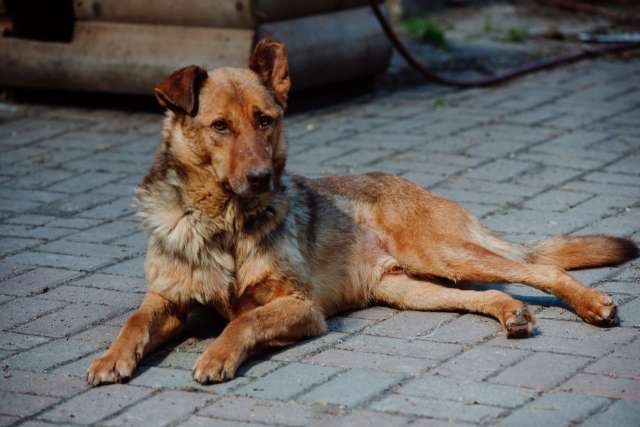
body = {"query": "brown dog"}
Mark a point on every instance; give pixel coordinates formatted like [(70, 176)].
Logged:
[(276, 254)]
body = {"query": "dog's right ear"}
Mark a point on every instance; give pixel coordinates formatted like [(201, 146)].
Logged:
[(180, 91)]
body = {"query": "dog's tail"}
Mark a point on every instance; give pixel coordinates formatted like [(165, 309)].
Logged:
[(575, 252)]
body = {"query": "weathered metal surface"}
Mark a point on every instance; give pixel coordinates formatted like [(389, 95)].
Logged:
[(278, 10), (200, 13), (121, 58), (331, 47)]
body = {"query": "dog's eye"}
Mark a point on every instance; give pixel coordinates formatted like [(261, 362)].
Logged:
[(220, 125), (265, 121)]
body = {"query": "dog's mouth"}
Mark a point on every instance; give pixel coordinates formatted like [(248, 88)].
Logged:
[(247, 191)]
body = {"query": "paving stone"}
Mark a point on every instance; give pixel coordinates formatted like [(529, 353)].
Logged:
[(94, 295), (55, 385), (78, 368), (557, 200), (70, 319), (110, 281), (14, 342), (304, 348), (374, 313), (615, 367), (557, 409), (500, 170), (100, 336), (362, 418), (263, 411), (84, 182), (8, 270), (103, 402), (49, 355), (478, 363), (382, 362), (162, 409), (7, 420), (629, 351), (75, 223), (438, 387), (629, 314), (77, 203), (36, 281), (23, 405), (591, 346), (446, 410), (9, 245), (106, 232), (131, 268), (84, 249), (584, 331), (347, 324), (467, 329), (540, 371), (429, 422), (34, 220), (288, 381), (621, 413), (111, 210), (71, 262), (410, 324), (27, 130), (196, 421), (352, 387), (178, 378), (600, 385), (400, 347), (22, 310), (29, 232)]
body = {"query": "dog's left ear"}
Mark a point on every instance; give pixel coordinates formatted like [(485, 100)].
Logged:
[(181, 90), (269, 61)]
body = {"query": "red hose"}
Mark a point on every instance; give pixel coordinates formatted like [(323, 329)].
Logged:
[(520, 71)]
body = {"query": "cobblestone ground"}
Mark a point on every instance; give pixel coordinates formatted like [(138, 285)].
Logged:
[(554, 153)]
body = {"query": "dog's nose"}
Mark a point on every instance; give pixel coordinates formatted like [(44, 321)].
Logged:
[(259, 179)]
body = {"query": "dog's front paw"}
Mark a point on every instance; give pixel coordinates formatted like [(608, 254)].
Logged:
[(597, 308), (111, 368), (213, 367)]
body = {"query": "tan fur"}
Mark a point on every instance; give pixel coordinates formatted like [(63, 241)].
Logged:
[(278, 259)]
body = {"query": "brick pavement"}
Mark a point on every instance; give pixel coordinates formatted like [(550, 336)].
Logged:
[(557, 152)]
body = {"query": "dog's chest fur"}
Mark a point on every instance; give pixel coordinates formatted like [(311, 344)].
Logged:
[(203, 247)]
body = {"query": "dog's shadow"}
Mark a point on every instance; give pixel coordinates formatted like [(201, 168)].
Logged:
[(204, 325)]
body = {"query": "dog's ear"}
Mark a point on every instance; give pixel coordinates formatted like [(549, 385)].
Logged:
[(269, 61), (180, 91)]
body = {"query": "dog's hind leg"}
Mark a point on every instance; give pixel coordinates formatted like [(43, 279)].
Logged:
[(156, 321), (401, 291), (470, 262)]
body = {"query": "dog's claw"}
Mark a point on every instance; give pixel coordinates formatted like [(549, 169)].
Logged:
[(520, 323), (110, 369), (211, 369), (598, 309)]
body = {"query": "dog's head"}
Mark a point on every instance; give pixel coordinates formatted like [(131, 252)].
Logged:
[(229, 121)]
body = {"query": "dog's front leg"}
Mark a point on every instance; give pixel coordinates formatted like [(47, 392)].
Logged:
[(287, 318), (156, 321)]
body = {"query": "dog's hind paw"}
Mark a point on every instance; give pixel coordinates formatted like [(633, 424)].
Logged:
[(598, 309), (519, 323)]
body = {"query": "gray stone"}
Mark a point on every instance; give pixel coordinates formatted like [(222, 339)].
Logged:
[(556, 409), (352, 387), (288, 381)]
